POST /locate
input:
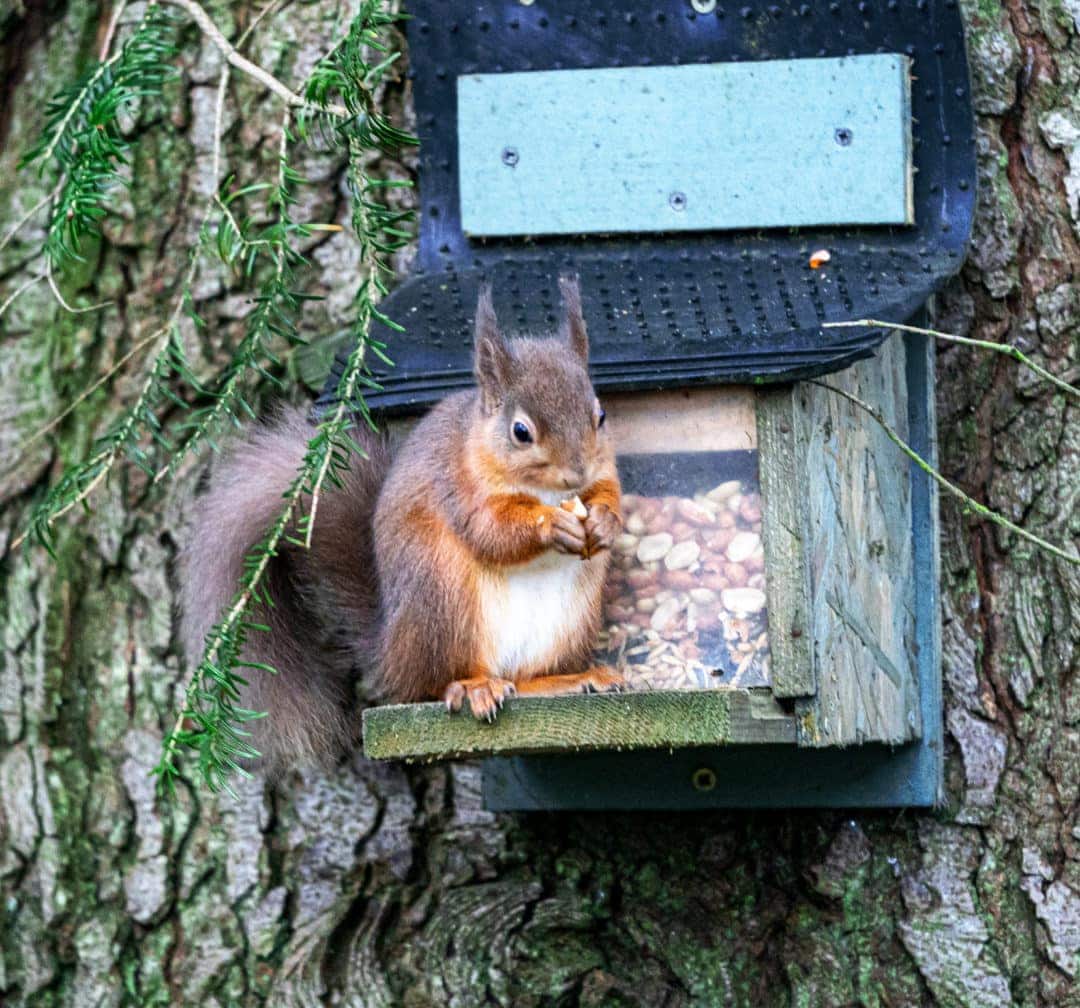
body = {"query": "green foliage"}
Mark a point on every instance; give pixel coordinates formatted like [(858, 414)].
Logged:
[(82, 141), (83, 144), (212, 720), (125, 439)]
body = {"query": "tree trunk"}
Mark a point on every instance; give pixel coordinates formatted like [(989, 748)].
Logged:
[(388, 885)]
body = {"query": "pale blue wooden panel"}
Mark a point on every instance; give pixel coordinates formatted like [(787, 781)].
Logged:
[(729, 145)]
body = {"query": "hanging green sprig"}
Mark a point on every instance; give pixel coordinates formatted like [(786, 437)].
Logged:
[(176, 412), (82, 140), (212, 721)]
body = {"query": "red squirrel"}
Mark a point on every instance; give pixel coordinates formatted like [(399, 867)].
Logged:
[(446, 572)]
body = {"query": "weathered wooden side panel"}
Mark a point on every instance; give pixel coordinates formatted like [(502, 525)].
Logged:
[(784, 537), (861, 568)]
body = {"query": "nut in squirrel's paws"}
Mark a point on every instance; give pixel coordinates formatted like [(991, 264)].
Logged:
[(565, 533), (576, 507), (486, 695)]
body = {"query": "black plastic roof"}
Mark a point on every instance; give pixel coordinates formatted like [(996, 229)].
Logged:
[(679, 309)]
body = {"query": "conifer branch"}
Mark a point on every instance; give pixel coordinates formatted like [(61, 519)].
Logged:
[(242, 63), (82, 140), (85, 394), (211, 721), (123, 439)]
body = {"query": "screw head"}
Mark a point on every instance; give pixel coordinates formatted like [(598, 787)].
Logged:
[(510, 156), (843, 136), (703, 6), (677, 201), (703, 779)]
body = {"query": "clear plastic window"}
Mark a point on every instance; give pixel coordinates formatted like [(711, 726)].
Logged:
[(684, 606)]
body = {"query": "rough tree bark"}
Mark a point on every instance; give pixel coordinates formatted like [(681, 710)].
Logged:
[(382, 885)]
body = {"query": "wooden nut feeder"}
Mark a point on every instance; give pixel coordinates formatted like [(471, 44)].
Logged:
[(725, 180)]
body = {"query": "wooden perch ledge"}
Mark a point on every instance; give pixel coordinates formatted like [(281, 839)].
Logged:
[(644, 720)]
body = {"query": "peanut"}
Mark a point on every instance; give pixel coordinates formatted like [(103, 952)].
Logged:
[(675, 567)]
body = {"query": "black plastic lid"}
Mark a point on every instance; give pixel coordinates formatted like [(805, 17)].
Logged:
[(669, 310)]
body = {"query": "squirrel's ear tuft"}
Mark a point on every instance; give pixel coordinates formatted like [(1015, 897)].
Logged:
[(573, 327), (494, 360)]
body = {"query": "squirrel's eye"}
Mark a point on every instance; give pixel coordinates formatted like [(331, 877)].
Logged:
[(601, 417), (521, 432)]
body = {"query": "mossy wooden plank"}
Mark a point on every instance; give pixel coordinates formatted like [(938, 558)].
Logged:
[(644, 720), (784, 538)]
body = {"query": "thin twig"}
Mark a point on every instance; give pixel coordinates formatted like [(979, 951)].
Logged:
[(26, 286), (40, 204), (114, 21), (1003, 348), (219, 114), (272, 6), (926, 467), (242, 63), (60, 297), (87, 392)]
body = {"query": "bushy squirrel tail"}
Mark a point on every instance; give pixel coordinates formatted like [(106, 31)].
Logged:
[(324, 615)]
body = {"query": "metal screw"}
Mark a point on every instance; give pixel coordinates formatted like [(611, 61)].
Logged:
[(510, 156), (703, 779), (703, 6), (526, 3), (843, 136), (677, 201)]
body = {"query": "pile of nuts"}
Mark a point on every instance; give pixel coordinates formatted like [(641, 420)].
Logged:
[(684, 606)]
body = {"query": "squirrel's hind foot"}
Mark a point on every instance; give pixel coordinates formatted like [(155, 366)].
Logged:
[(486, 695), (598, 679)]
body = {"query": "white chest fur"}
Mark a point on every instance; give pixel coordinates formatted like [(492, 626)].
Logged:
[(527, 612)]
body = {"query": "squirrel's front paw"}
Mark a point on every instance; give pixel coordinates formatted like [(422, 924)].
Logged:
[(601, 528), (486, 695), (562, 530)]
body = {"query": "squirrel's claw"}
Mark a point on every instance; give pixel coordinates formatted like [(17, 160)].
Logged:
[(486, 694), (601, 679), (601, 528)]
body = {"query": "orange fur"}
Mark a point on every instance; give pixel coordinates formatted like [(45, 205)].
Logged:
[(424, 568), (598, 679), (462, 520), (605, 493)]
